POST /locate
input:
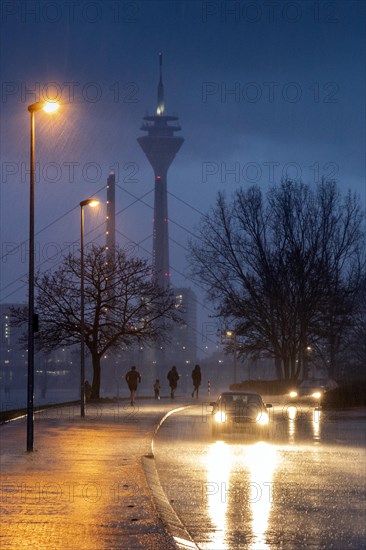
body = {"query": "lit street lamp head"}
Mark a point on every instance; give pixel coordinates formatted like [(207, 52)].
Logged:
[(47, 106), (90, 202), (51, 107)]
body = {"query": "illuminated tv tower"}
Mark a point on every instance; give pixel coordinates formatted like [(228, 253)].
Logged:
[(160, 145)]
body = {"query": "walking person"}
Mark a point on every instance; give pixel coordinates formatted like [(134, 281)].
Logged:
[(133, 377), (173, 378), (157, 389), (196, 378), (87, 391)]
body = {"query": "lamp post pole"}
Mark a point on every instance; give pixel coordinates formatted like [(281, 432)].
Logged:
[(30, 393), (232, 334), (90, 202), (48, 107), (82, 324), (235, 358)]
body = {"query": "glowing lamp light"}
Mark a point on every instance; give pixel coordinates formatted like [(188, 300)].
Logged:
[(158, 177), (293, 393), (50, 106), (93, 203)]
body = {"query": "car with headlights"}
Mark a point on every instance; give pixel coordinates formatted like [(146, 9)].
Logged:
[(240, 412), (312, 390)]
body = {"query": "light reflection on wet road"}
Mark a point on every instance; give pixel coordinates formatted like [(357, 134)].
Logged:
[(303, 488)]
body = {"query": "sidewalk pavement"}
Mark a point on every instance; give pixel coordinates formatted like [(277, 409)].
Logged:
[(87, 484)]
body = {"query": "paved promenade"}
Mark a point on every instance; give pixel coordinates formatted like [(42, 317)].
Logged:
[(85, 486)]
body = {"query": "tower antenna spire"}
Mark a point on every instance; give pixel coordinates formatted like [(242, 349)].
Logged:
[(161, 107)]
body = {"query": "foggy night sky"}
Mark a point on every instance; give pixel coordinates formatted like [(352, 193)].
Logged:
[(299, 73)]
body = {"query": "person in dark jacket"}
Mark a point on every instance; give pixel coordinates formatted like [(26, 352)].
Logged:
[(133, 377), (173, 378), (87, 391), (157, 389), (196, 378)]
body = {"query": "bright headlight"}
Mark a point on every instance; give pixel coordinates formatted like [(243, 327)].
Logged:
[(262, 418), (293, 393), (220, 416), (316, 395)]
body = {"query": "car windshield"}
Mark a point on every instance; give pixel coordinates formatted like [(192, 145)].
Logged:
[(312, 383), (240, 399)]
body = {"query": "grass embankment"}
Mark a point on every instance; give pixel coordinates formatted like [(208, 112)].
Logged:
[(351, 394), (6, 416)]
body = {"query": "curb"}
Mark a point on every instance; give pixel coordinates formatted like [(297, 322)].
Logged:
[(174, 526), (159, 425), (171, 521)]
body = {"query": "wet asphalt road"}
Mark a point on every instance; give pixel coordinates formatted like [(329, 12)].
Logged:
[(304, 488)]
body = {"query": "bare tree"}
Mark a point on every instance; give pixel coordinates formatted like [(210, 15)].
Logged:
[(351, 350), (271, 263), (123, 306), (343, 262), (356, 344)]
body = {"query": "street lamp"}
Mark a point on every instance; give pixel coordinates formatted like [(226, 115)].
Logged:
[(232, 334), (92, 203), (48, 108)]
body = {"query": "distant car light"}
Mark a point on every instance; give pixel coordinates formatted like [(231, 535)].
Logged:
[(316, 395), (262, 418), (293, 393), (220, 417)]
